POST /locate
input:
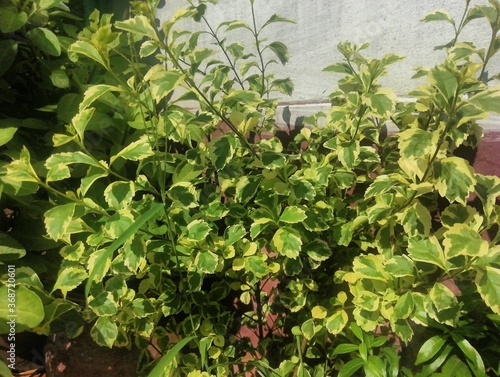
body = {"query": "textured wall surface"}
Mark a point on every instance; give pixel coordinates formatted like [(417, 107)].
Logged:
[(390, 26)]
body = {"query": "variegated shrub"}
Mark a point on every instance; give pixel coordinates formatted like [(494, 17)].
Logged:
[(362, 244)]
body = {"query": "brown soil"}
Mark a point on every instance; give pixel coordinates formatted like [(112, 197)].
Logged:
[(82, 357)]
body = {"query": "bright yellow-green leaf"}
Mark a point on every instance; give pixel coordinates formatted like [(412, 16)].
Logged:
[(488, 284), (137, 150), (138, 25), (382, 103), (184, 193), (370, 266), (455, 179), (427, 250), (58, 219), (461, 239), (318, 312), (292, 215), (69, 278), (442, 297), (487, 100), (119, 194), (198, 230), (417, 220), (286, 241), (415, 142)]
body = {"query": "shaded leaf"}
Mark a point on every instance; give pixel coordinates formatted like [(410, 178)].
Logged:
[(45, 40), (104, 332)]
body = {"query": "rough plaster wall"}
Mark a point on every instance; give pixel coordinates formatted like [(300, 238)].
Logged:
[(390, 26)]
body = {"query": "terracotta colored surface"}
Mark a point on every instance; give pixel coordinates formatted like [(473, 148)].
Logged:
[(488, 155)]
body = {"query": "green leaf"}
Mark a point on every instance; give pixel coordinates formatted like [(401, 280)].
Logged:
[(186, 172), (286, 241), (198, 230), (10, 249), (487, 100), (81, 120), (57, 164), (231, 25), (102, 260), (335, 324), (280, 50), (104, 332), (473, 357), (256, 265), (11, 20), (138, 25), (488, 284), (245, 96), (351, 367), (93, 174), (417, 220), (427, 250), (60, 79), (415, 142), (276, 18), (430, 348), (439, 15), (348, 153), (168, 359), (382, 103), (404, 306), (375, 367), (344, 348), (400, 266), (339, 68), (206, 262), (442, 297), (104, 305), (247, 187), (135, 151), (4, 369), (455, 179), (119, 194), (273, 160), (73, 252), (318, 250), (183, 193), (86, 49), (45, 40), (222, 151), (461, 239), (370, 266), (163, 83), (95, 92), (284, 86), (58, 219), (293, 215), (445, 81), (233, 234), (69, 278), (148, 48), (28, 310), (8, 52), (6, 133)]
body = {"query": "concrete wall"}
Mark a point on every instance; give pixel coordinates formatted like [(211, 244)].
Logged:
[(390, 26)]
